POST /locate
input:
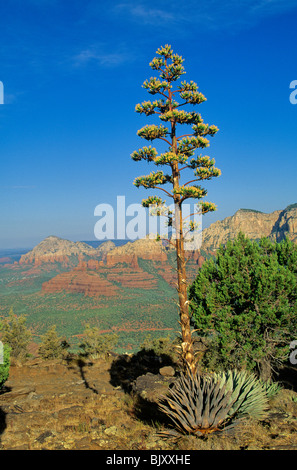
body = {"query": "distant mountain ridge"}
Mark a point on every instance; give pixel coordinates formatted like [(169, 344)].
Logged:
[(55, 249), (254, 224)]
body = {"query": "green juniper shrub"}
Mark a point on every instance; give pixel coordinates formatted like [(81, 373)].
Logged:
[(96, 344), (53, 346), (16, 335), (244, 303)]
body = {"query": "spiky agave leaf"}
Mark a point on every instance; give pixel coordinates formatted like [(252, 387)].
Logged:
[(197, 405), (272, 388), (204, 404), (250, 397)]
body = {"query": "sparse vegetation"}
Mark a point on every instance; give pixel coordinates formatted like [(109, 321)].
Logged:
[(95, 344), (137, 312), (52, 346), (162, 346), (16, 335), (93, 415)]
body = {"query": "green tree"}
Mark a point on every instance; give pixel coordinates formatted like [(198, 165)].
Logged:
[(95, 344), (16, 334), (52, 346), (178, 158), (244, 302)]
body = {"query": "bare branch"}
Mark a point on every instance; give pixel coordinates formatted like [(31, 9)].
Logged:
[(185, 135), (191, 181), (165, 140), (162, 189)]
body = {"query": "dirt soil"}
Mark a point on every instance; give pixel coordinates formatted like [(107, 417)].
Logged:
[(59, 405), (56, 405)]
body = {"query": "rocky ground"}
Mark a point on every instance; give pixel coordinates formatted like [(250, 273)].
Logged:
[(70, 405), (78, 405)]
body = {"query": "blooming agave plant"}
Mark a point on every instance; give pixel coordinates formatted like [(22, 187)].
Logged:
[(178, 160)]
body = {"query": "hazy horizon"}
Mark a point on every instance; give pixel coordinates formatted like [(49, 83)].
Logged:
[(96, 241)]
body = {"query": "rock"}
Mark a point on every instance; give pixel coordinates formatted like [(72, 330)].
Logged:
[(33, 396), (83, 444), (151, 386), (54, 249), (167, 371), (16, 393), (20, 447), (254, 225), (96, 423), (144, 248), (43, 436), (71, 412), (80, 281), (93, 279), (112, 431)]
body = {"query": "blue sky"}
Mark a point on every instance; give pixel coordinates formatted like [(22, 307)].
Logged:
[(72, 72)]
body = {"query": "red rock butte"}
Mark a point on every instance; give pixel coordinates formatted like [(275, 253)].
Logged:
[(148, 249), (80, 281), (117, 268), (104, 270)]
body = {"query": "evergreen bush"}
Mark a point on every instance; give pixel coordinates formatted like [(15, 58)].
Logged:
[(244, 303), (53, 346), (16, 335), (95, 344)]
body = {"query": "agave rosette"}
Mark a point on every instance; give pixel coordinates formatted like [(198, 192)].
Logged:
[(201, 405)]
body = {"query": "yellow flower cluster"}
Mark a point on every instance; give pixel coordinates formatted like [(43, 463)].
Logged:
[(151, 180), (151, 132), (146, 153)]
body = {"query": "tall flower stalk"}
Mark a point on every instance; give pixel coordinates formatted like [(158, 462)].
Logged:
[(179, 158)]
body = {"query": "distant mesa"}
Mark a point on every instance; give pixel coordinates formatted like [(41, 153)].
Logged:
[(148, 249), (117, 268), (254, 224), (80, 281), (94, 279), (54, 249), (6, 260), (106, 269)]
